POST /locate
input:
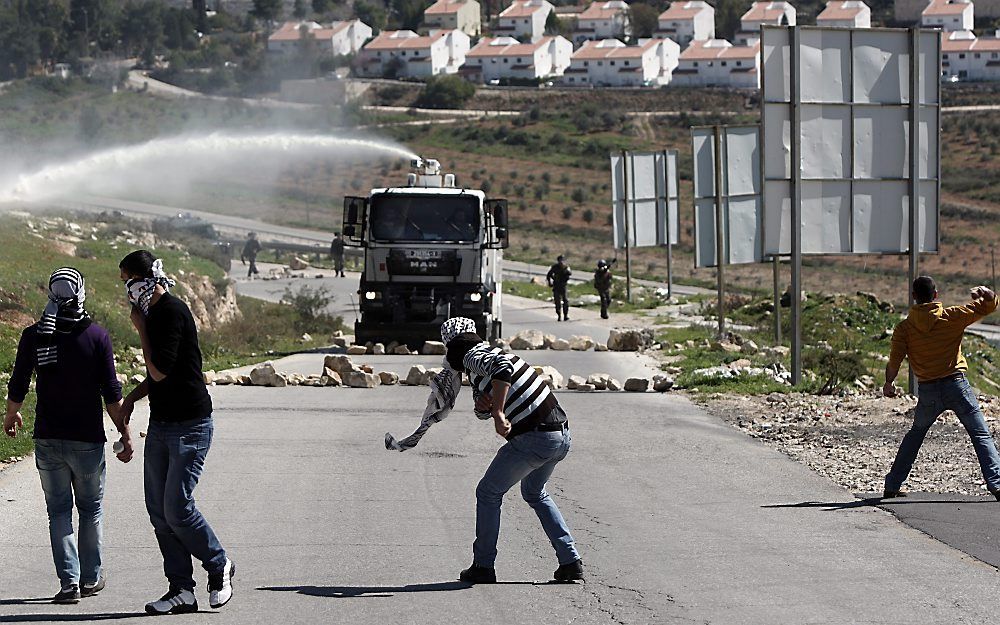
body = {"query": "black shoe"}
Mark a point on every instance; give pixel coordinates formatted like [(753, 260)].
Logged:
[(479, 575), (89, 590), (569, 572), (176, 601), (604, 316), (69, 593), (892, 494)]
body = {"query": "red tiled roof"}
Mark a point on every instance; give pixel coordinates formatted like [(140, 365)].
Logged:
[(943, 7), (392, 40), (986, 44), (841, 10), (765, 12), (490, 47), (604, 10), (684, 10), (445, 7), (593, 50), (292, 31), (521, 8)]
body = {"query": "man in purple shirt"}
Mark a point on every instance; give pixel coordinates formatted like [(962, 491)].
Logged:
[(74, 365)]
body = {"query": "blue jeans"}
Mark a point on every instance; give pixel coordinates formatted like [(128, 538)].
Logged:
[(71, 469), (529, 459), (174, 458), (934, 398)]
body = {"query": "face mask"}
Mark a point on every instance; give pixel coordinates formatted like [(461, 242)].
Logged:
[(139, 292)]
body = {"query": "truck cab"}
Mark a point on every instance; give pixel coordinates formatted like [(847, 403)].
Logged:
[(432, 251)]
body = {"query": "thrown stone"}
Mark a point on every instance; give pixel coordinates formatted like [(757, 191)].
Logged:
[(357, 350), (388, 378), (629, 339), (581, 343), (662, 383), (559, 345), (528, 339), (360, 379), (574, 381), (415, 377)]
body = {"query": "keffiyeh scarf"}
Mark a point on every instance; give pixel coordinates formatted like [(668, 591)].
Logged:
[(64, 310), (444, 389), (140, 290)]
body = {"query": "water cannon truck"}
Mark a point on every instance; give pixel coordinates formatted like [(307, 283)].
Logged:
[(432, 250)]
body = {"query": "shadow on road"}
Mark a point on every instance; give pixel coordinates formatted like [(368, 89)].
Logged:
[(347, 592), (45, 618), (871, 502)]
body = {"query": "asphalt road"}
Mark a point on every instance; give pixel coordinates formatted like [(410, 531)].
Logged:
[(679, 519)]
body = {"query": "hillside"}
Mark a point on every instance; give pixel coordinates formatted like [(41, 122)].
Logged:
[(550, 161)]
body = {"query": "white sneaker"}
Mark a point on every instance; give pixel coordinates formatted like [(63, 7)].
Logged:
[(176, 601), (220, 585)]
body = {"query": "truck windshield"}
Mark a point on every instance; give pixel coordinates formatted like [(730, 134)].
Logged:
[(424, 218)]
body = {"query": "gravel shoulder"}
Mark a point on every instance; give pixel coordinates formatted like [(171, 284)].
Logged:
[(852, 440)]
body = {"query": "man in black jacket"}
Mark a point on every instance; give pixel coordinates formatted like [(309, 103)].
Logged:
[(337, 254), (178, 438), (602, 282), (557, 279)]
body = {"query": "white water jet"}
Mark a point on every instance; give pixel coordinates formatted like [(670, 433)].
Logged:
[(198, 155)]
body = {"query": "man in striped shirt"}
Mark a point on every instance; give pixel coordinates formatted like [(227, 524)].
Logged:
[(527, 414), (930, 338)]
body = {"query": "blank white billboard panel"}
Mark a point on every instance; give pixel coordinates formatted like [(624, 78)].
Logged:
[(853, 136), (653, 198), (742, 207)]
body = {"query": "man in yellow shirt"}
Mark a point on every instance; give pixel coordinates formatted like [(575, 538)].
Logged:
[(930, 338)]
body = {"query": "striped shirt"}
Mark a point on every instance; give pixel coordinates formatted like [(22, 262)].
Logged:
[(529, 400)]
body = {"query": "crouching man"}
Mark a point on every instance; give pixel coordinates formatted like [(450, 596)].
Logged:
[(524, 411)]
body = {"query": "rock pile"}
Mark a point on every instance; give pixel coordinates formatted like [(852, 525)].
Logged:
[(630, 339)]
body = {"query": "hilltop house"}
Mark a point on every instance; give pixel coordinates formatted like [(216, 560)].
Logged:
[(611, 63), (505, 58), (404, 53), (339, 38), (684, 22), (603, 20), (524, 20), (462, 15), (845, 14), (966, 57), (718, 63), (763, 14), (948, 15)]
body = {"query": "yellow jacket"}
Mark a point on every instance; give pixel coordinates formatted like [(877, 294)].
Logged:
[(931, 337)]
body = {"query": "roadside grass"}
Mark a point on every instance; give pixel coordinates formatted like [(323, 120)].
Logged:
[(266, 331), (22, 444), (27, 258)]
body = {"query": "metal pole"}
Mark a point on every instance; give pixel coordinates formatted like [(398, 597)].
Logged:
[(776, 262), (993, 266), (914, 173), (719, 234), (796, 208), (628, 229), (670, 230)]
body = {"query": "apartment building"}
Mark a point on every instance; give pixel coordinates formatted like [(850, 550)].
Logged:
[(505, 58), (948, 15), (339, 38), (603, 20), (405, 54), (463, 15), (524, 20), (718, 63), (610, 63)]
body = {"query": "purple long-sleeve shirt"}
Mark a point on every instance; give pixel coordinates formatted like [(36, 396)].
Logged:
[(69, 391)]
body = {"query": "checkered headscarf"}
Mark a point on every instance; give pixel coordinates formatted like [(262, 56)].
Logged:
[(455, 326), (67, 292)]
